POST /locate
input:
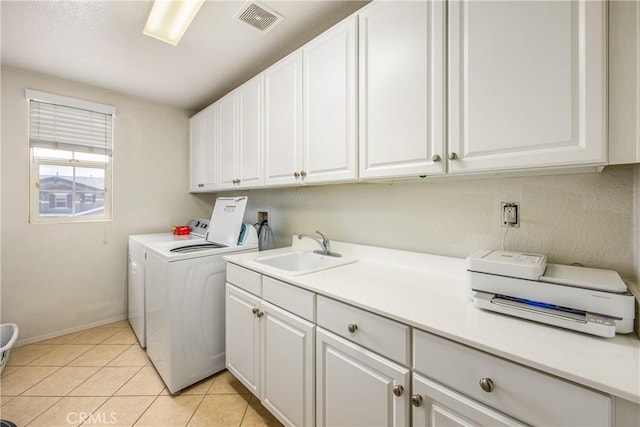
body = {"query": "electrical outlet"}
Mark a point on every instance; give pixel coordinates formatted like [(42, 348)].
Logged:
[(510, 214), (264, 215)]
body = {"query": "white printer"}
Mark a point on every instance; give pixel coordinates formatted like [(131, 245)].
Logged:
[(588, 300)]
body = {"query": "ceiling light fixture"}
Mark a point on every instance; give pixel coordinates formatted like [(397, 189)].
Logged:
[(169, 19)]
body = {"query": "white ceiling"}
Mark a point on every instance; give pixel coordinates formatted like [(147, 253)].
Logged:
[(100, 43)]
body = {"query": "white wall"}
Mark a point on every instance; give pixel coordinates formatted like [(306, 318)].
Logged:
[(585, 218), (58, 277)]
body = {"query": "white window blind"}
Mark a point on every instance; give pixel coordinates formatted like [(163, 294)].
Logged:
[(67, 124)]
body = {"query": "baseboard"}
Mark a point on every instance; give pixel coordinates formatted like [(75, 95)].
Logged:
[(69, 331)]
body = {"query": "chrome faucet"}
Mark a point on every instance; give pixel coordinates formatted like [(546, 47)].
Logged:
[(324, 244)]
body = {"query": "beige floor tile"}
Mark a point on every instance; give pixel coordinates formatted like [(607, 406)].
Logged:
[(22, 410), (224, 382), (8, 370), (120, 411), (200, 387), (123, 336), (24, 378), (258, 416), (220, 410), (133, 356), (22, 356), (91, 336), (170, 411), (68, 411), (105, 382), (146, 382), (61, 382), (61, 355), (118, 324), (99, 355)]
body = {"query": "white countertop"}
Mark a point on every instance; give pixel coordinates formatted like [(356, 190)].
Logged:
[(429, 292)]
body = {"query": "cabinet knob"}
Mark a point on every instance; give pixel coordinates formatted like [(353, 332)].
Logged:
[(486, 384), (398, 390), (296, 174), (303, 174), (255, 310), (352, 327), (260, 314), (435, 158), (416, 400), (453, 156), (200, 185), (238, 181)]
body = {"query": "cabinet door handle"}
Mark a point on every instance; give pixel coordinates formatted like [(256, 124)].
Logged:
[(260, 314), (453, 156), (352, 328), (398, 390), (435, 158), (255, 310), (296, 174), (486, 384), (200, 185), (303, 174), (416, 400)]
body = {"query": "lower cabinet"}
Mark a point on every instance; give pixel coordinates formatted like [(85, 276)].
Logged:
[(271, 351), (356, 387), (286, 366), (435, 405)]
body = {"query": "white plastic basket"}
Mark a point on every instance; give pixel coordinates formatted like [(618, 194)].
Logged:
[(8, 337)]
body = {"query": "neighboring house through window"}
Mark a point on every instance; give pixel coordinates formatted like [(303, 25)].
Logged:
[(71, 146)]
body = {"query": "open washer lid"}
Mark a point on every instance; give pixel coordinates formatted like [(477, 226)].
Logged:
[(226, 220)]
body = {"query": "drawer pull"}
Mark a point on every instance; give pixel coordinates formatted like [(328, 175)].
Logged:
[(398, 390), (352, 328), (486, 384), (416, 400)]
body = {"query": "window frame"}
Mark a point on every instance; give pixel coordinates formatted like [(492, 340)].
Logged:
[(34, 211), (35, 161)]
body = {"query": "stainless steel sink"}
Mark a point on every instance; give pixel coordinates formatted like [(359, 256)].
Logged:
[(299, 262)]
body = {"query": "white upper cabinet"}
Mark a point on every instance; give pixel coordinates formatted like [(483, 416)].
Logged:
[(283, 121), (401, 80), (203, 143), (250, 111), (240, 130), (624, 82), (228, 131), (329, 105), (527, 84)]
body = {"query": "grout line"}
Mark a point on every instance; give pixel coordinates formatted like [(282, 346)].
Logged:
[(245, 410), (197, 407)]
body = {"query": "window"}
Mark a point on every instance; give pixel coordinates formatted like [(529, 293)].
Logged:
[(71, 146)]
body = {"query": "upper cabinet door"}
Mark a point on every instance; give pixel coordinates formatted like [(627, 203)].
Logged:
[(196, 124), (250, 109), (527, 84), (283, 121), (228, 132), (329, 148), (402, 89), (203, 145)]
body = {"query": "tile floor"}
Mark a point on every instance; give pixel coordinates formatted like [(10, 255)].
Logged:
[(101, 376)]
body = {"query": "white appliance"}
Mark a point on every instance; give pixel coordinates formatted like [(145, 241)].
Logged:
[(583, 299), (136, 282), (185, 306)]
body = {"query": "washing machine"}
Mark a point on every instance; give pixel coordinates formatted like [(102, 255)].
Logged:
[(185, 308), (137, 249)]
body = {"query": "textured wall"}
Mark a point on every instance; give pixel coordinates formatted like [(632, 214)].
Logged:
[(585, 218), (57, 277)]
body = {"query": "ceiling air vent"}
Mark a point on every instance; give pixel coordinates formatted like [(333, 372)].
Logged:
[(258, 16)]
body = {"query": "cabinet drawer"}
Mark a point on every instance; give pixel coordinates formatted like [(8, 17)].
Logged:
[(245, 279), (382, 335), (291, 298), (528, 395)]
